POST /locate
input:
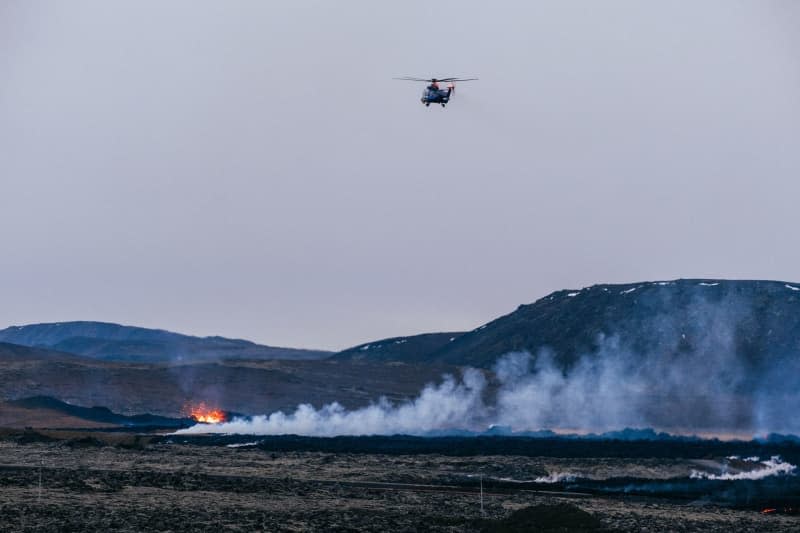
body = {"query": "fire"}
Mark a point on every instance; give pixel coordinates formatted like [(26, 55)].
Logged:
[(205, 414)]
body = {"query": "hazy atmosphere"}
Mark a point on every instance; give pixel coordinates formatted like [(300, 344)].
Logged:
[(250, 169)]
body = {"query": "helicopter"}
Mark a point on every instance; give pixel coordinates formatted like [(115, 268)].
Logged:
[(432, 93)]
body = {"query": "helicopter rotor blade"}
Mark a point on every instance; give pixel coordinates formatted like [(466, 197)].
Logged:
[(444, 80)]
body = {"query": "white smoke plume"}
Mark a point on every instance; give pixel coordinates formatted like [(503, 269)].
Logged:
[(602, 393), (554, 477), (691, 378), (774, 466), (451, 405)]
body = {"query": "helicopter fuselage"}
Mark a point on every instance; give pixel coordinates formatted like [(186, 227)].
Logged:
[(436, 96), (432, 93)]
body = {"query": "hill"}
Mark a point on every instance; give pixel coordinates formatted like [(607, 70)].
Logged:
[(99, 415), (711, 354), (758, 320), (102, 340), (236, 385), (11, 353), (410, 349)]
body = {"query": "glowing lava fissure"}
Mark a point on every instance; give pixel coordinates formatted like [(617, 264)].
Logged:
[(204, 414)]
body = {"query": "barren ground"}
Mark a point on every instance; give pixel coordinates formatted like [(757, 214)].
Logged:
[(241, 386), (96, 482)]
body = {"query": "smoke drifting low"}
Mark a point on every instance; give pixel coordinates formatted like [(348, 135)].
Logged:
[(774, 466), (598, 394), (690, 375), (451, 405)]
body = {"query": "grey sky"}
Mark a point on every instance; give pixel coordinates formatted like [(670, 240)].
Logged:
[(250, 169)]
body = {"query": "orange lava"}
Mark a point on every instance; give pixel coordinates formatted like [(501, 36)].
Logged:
[(205, 414)]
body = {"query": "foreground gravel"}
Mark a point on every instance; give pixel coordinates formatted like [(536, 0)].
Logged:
[(88, 486)]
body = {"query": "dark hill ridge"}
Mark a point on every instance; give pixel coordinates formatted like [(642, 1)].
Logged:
[(759, 320), (101, 340), (10, 353), (100, 414), (236, 385), (413, 348)]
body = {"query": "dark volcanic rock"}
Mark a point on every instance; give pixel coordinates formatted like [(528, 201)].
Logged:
[(101, 414), (544, 518)]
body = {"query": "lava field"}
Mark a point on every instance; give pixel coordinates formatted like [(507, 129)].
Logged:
[(94, 481)]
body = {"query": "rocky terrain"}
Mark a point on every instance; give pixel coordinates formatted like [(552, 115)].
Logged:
[(99, 482), (684, 352)]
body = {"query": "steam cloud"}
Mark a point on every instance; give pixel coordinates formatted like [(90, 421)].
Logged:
[(690, 378), (554, 477), (771, 467), (598, 394), (450, 405)]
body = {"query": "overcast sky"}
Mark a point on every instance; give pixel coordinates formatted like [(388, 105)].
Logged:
[(250, 169)]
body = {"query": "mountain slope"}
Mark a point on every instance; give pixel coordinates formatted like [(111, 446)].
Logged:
[(101, 340), (237, 385), (16, 353), (757, 320), (409, 349), (101, 415)]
